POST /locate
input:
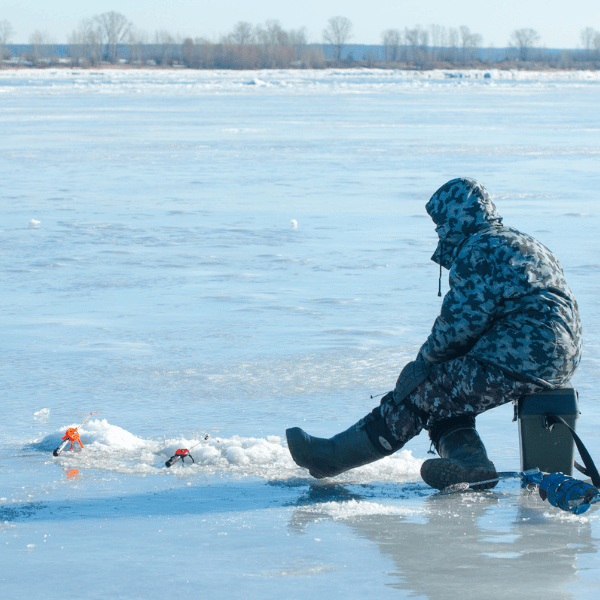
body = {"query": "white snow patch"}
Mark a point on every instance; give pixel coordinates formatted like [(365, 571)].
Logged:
[(42, 415), (102, 435), (339, 511), (111, 448), (401, 466), (566, 516)]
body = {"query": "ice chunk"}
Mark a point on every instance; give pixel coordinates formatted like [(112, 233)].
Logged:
[(42, 415)]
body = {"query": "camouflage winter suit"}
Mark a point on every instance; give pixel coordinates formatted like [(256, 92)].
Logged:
[(509, 325)]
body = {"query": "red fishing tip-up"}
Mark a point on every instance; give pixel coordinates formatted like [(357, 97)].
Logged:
[(181, 453), (72, 435)]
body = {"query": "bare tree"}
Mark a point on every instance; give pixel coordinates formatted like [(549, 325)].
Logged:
[(453, 37), (188, 53), (437, 36), (137, 40), (337, 33), (85, 43), (276, 50), (391, 39), (164, 48), (205, 53), (42, 46), (587, 35), (524, 40), (587, 40), (243, 33), (115, 28), (411, 37), (264, 46), (271, 34), (417, 41), (6, 33), (470, 42), (298, 41), (424, 54)]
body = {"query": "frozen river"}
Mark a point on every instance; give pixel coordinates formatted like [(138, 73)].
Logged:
[(235, 253)]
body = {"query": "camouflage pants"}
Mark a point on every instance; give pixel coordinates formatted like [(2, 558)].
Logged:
[(455, 388)]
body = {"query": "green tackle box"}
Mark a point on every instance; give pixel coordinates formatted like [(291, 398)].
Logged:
[(550, 448)]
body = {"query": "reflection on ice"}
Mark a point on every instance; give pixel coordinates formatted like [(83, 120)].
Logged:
[(464, 545)]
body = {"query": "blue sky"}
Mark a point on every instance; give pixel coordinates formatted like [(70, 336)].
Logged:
[(558, 22)]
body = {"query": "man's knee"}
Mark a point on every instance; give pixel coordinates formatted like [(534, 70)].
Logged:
[(411, 377)]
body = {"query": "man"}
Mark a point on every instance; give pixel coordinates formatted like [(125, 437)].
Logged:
[(509, 326)]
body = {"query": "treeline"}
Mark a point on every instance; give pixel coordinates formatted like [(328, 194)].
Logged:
[(110, 38)]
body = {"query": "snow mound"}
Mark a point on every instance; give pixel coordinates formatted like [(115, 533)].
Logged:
[(351, 509), (42, 415), (108, 447), (101, 435)]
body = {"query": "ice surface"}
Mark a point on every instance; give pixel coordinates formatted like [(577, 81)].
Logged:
[(234, 253)]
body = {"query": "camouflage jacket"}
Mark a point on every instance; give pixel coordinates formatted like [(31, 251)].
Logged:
[(508, 304)]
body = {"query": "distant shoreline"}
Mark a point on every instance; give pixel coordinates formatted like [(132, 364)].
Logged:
[(204, 55), (505, 66)]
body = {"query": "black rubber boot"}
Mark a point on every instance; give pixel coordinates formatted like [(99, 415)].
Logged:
[(363, 443), (463, 456)]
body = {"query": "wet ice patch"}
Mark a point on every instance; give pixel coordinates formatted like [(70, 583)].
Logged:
[(293, 571)]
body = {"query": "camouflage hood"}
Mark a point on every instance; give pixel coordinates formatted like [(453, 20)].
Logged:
[(459, 209)]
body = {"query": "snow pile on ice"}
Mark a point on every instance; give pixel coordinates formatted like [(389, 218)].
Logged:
[(401, 466), (351, 509), (101, 435), (109, 447), (270, 459), (568, 517), (98, 434), (42, 415), (263, 457)]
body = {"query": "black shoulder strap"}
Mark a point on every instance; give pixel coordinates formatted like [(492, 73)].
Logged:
[(590, 468)]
